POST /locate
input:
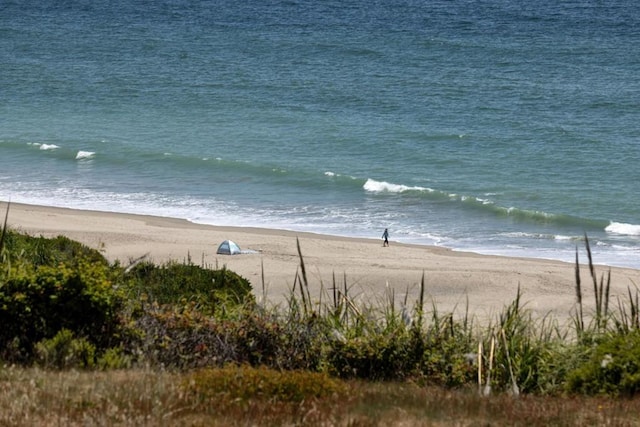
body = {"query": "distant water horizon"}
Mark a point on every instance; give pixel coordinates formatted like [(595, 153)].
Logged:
[(498, 127)]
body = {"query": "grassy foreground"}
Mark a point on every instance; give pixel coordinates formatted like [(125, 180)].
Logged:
[(32, 396)]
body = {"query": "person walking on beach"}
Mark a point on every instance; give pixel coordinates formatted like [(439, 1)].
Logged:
[(385, 236)]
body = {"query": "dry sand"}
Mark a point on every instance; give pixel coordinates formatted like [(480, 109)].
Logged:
[(371, 271)]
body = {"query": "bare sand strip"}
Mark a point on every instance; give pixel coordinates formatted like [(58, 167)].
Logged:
[(452, 278)]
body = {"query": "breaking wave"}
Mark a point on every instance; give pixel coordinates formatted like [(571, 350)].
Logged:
[(624, 229), (382, 186), (84, 155)]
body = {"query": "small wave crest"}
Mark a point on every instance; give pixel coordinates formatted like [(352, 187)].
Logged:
[(374, 186), (49, 147), (622, 228), (84, 155)]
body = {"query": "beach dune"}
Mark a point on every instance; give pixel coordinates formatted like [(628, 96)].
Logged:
[(453, 280)]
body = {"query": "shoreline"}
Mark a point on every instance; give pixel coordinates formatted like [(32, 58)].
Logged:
[(455, 281)]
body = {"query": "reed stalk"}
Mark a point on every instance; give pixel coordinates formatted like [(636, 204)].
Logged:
[(635, 318), (421, 303), (264, 287), (304, 290), (479, 361), (4, 228), (515, 391), (487, 387), (606, 294), (597, 290), (579, 322)]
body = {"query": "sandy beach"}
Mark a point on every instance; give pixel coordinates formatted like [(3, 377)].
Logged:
[(452, 279)]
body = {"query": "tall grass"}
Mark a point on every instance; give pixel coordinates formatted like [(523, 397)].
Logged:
[(603, 319)]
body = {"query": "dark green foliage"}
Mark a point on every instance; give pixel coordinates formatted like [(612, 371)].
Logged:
[(36, 302), (303, 343), (47, 285), (612, 367), (45, 251), (445, 357), (64, 351), (435, 356), (375, 357), (172, 283), (527, 358), (181, 337), (257, 339), (114, 358)]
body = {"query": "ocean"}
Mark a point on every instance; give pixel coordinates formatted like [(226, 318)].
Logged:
[(503, 127)]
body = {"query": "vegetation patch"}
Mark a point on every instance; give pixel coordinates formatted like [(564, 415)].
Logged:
[(232, 383), (612, 367), (211, 290), (38, 300)]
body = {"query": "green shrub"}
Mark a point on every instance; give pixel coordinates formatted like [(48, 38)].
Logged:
[(46, 251), (37, 301), (301, 343), (182, 337), (242, 383), (114, 358), (64, 351), (211, 290), (613, 367), (374, 357), (445, 360)]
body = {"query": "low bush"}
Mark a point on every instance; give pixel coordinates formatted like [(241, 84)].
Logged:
[(114, 358), (49, 251), (37, 301), (375, 357), (212, 291), (612, 367), (65, 351), (445, 360), (234, 383)]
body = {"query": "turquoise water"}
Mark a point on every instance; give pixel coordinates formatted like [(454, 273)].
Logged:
[(502, 127)]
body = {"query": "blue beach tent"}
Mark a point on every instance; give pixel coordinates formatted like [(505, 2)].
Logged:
[(228, 247)]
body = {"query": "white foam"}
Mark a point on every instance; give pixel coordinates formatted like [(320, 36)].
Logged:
[(472, 199), (543, 236), (329, 173), (84, 155), (564, 237), (48, 146), (382, 186), (622, 228)]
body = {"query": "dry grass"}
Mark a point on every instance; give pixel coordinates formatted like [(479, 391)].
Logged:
[(144, 397)]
